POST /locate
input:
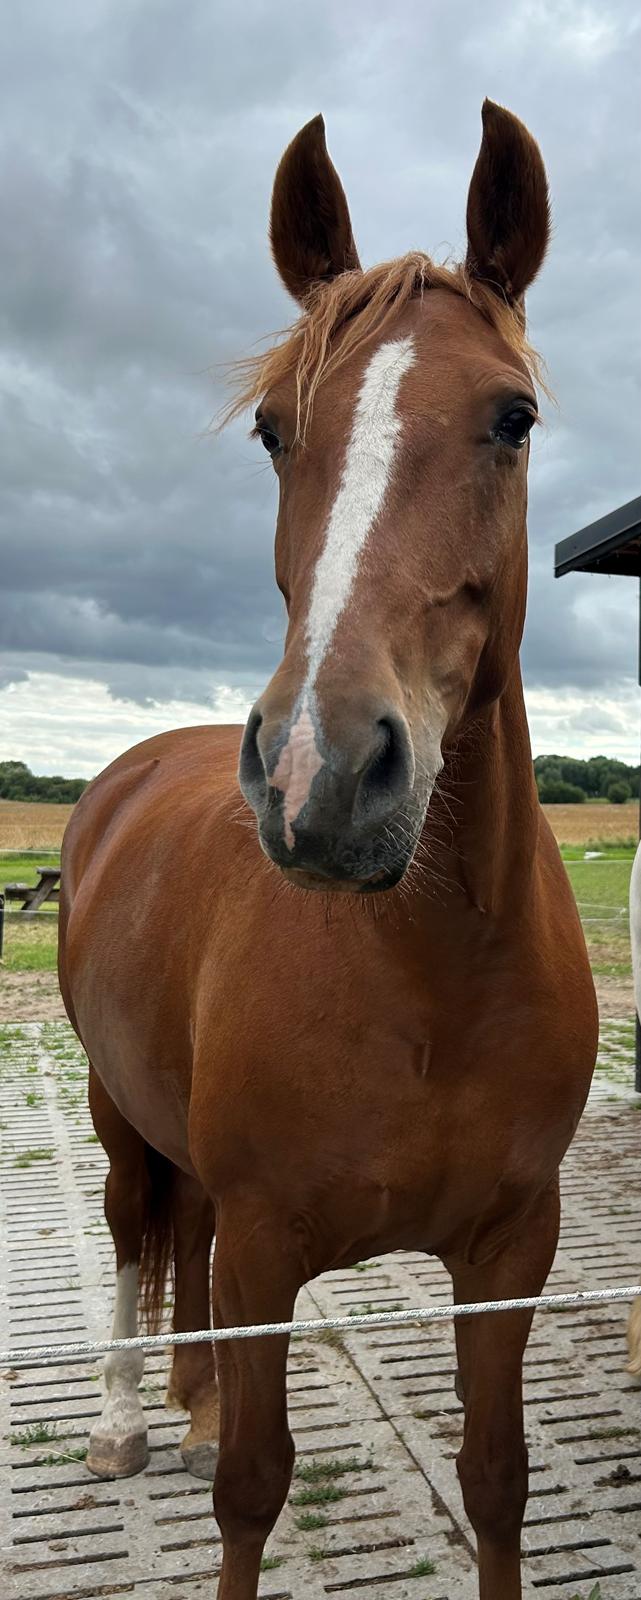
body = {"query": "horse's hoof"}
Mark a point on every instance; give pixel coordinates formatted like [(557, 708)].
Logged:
[(113, 1455), (200, 1459)]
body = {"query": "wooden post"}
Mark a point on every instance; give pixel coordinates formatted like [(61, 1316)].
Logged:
[(1, 925)]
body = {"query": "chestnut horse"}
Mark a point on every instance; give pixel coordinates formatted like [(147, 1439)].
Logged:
[(322, 1069)]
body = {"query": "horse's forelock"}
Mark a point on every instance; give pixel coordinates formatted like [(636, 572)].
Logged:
[(360, 304)]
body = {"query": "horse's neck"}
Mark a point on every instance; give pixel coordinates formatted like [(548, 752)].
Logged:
[(488, 807)]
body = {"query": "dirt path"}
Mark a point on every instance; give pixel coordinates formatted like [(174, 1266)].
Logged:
[(30, 997), (615, 997)]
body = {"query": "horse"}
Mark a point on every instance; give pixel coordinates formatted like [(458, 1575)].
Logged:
[(374, 1026), (634, 1320)]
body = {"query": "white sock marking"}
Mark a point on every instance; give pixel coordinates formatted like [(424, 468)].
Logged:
[(361, 493), (118, 1440), (123, 1369)]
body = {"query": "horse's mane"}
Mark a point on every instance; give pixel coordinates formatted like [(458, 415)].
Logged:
[(360, 304)]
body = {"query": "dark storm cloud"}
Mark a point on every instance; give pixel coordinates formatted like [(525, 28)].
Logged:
[(140, 142)]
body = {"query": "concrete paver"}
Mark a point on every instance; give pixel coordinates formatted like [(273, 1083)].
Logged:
[(379, 1408)]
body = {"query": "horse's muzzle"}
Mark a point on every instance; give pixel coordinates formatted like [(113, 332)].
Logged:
[(333, 818)]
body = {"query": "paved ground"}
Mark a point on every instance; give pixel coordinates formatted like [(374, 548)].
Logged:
[(375, 1507)]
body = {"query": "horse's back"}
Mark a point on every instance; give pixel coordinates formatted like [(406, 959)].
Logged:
[(196, 764)]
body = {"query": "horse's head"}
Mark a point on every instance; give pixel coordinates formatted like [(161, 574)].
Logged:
[(397, 416)]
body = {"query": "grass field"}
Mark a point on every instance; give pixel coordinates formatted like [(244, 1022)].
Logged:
[(601, 889), (31, 946), (18, 868)]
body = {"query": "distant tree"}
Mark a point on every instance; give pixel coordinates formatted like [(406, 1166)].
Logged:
[(18, 783), (555, 792), (593, 776), (618, 793)]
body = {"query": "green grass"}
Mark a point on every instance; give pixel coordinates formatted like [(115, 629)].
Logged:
[(10, 1035), (61, 1455), (605, 847), (27, 1158), (322, 1471), (31, 946), (269, 1563), (36, 1433), (320, 1494), (601, 890), (602, 885), (318, 1478), (18, 868), (423, 1568), (310, 1521)]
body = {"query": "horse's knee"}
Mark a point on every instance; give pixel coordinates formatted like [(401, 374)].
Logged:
[(494, 1491), (250, 1491)]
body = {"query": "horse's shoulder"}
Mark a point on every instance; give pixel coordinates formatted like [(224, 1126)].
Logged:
[(186, 762)]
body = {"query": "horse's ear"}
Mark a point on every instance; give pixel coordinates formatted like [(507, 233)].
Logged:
[(310, 227), (508, 206)]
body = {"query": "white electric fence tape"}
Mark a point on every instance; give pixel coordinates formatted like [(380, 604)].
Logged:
[(85, 1350)]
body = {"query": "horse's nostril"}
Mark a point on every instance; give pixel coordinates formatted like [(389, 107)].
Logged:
[(389, 773), (251, 772)]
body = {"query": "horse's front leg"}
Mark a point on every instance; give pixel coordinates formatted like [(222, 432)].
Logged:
[(493, 1463), (256, 1278), (192, 1385)]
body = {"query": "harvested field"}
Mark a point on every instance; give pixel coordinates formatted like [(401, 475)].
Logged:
[(28, 825), (585, 824), (32, 824)]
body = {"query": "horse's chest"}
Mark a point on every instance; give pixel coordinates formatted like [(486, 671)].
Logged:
[(359, 1107)]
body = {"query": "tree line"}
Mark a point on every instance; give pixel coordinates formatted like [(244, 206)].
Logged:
[(560, 779), (566, 780), (17, 782)]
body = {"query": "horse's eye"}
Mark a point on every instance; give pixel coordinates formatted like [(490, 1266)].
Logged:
[(270, 441), (514, 426), (266, 435)]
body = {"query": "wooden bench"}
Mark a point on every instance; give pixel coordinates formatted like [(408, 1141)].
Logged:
[(33, 896)]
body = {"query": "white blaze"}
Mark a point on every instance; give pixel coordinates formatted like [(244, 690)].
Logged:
[(366, 475), (368, 467)]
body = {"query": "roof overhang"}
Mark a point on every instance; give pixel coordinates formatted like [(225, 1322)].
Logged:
[(611, 545)]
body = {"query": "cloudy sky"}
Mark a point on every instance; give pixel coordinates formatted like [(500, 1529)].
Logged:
[(140, 138)]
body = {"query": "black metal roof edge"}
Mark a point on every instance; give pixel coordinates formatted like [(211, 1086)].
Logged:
[(600, 537)]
